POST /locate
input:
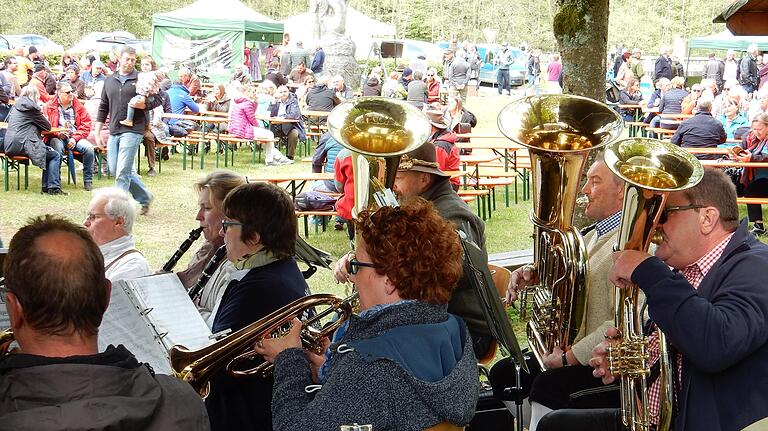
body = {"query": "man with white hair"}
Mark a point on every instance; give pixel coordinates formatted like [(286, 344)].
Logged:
[(731, 66), (109, 220), (701, 130), (748, 77), (190, 80), (342, 91)]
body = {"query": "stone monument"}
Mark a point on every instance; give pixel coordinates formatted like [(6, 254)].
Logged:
[(329, 22)]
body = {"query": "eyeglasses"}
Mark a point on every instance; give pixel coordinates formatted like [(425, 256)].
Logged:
[(726, 88), (225, 224), (665, 212), (94, 216), (65, 92), (354, 265)]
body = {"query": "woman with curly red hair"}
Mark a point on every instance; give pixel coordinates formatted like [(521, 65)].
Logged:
[(404, 363)]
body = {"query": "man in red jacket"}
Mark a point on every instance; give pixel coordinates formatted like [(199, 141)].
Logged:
[(444, 141), (66, 112)]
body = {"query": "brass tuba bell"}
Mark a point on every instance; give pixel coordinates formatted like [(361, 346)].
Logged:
[(651, 169), (377, 130), (559, 131)]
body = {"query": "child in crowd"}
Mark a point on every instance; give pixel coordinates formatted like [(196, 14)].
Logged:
[(147, 86)]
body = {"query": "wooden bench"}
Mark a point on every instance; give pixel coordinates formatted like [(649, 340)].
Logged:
[(511, 259), (483, 203), (189, 143), (322, 214), (230, 143), (14, 163), (752, 201)]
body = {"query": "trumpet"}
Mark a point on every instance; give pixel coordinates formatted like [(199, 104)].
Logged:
[(197, 367), (194, 234)]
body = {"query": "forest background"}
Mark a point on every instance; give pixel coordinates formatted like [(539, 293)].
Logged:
[(643, 24)]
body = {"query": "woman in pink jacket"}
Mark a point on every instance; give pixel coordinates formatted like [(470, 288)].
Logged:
[(243, 124)]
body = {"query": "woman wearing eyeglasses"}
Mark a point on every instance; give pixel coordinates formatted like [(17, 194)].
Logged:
[(403, 363), (259, 228)]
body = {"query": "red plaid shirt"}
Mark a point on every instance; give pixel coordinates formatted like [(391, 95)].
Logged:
[(694, 273)]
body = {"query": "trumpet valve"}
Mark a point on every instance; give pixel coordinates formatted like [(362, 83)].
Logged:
[(629, 357)]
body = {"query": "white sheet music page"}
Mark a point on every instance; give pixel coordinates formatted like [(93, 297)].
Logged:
[(172, 312), (124, 324)]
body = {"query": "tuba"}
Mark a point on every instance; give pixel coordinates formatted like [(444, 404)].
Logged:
[(651, 169), (377, 130), (558, 131), (197, 367)]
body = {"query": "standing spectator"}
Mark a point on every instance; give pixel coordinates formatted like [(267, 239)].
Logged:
[(554, 69), (191, 81), (701, 130), (300, 55), (677, 67), (748, 77), (618, 60), (475, 63), (25, 123), (287, 106), (731, 67), (534, 71), (38, 81), (663, 66), (417, 90), (504, 61), (66, 112), (712, 69), (457, 73), (124, 141), (72, 74), (318, 61), (285, 61), (636, 64), (343, 92)]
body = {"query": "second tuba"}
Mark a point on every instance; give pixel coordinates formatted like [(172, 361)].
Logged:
[(377, 130), (558, 131), (651, 169)]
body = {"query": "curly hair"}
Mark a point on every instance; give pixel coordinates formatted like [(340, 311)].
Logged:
[(416, 248)]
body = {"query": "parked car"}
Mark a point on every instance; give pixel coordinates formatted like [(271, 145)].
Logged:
[(101, 41), (488, 53), (42, 43), (4, 44)]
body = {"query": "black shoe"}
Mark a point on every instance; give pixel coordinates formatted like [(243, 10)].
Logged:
[(44, 191), (55, 192), (88, 187)]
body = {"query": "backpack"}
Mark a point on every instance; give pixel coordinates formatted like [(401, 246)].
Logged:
[(314, 201)]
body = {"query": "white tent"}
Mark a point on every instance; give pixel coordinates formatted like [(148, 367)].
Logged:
[(362, 29)]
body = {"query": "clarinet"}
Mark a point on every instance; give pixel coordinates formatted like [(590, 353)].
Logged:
[(208, 272), (193, 236)]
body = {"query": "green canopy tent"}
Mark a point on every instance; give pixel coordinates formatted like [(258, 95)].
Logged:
[(210, 35), (726, 40)]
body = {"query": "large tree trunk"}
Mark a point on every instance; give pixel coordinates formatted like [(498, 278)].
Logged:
[(581, 30)]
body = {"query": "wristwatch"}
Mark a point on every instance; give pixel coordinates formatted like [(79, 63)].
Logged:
[(565, 360)]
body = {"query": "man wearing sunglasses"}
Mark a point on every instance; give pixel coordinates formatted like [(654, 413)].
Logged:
[(66, 112), (712, 306)]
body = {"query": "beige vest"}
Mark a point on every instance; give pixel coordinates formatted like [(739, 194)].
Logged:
[(601, 294)]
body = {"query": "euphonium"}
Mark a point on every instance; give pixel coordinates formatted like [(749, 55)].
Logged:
[(197, 367), (651, 169), (559, 131), (377, 130)]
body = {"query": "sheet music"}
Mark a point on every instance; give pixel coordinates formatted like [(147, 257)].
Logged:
[(171, 311), (123, 324)]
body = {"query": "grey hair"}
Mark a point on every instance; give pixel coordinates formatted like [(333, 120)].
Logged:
[(31, 92), (119, 204), (185, 71), (704, 104)]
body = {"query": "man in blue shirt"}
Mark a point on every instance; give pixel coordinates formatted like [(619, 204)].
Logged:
[(180, 102)]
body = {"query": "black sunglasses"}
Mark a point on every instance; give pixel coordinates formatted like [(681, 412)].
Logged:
[(225, 224), (354, 265), (665, 212)]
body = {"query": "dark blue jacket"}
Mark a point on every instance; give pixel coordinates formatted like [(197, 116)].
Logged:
[(722, 331), (292, 111), (244, 403), (699, 131), (180, 100), (318, 61), (662, 68)]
